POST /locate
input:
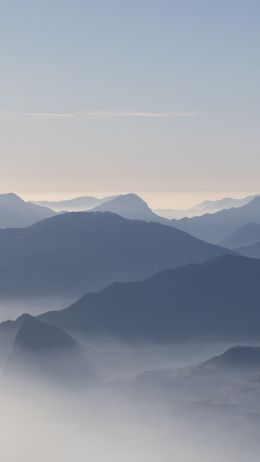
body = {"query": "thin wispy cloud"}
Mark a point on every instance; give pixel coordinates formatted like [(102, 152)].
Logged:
[(99, 115)]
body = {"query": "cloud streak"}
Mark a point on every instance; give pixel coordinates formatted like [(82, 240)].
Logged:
[(99, 115)]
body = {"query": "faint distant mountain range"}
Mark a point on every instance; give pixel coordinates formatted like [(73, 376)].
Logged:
[(218, 299), (77, 204), (16, 213), (73, 253), (126, 205), (204, 207), (84, 203), (169, 214), (243, 237), (218, 226)]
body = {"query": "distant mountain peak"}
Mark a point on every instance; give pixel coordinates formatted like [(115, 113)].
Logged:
[(11, 197), (17, 213), (216, 227), (76, 204), (128, 198), (130, 206)]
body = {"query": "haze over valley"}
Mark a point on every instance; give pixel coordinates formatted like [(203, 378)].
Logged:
[(117, 308), (129, 231)]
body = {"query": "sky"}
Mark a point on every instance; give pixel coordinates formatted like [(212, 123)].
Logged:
[(100, 97)]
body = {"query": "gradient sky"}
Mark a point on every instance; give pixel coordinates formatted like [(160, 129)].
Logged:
[(155, 97)]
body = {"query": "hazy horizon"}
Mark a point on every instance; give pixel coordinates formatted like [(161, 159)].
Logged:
[(160, 200), (109, 97)]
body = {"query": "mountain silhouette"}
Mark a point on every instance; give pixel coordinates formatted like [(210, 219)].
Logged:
[(213, 206), (210, 379), (218, 226), (41, 350), (132, 207), (34, 335), (243, 237), (76, 204), (16, 213), (205, 207), (73, 253), (237, 357), (218, 299), (251, 251)]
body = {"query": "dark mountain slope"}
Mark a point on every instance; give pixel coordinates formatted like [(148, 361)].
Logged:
[(34, 335), (41, 350), (73, 253), (215, 300), (238, 357)]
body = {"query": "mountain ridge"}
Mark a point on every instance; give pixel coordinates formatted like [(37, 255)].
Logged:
[(249, 234), (132, 207), (16, 213), (193, 301), (76, 252), (218, 226)]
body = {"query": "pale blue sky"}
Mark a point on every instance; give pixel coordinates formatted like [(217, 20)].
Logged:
[(155, 97)]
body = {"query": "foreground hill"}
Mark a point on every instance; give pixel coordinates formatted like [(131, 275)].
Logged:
[(73, 253), (16, 213), (218, 300), (218, 226), (41, 350)]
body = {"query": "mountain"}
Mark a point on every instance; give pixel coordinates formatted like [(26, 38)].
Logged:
[(169, 214), (218, 226), (221, 394), (34, 335), (73, 253), (214, 378), (46, 351), (76, 204), (16, 213), (243, 237), (29, 334), (132, 207), (221, 204), (204, 207), (238, 357), (251, 251), (218, 299)]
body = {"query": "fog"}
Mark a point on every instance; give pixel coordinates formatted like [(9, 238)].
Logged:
[(114, 421), (59, 427)]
